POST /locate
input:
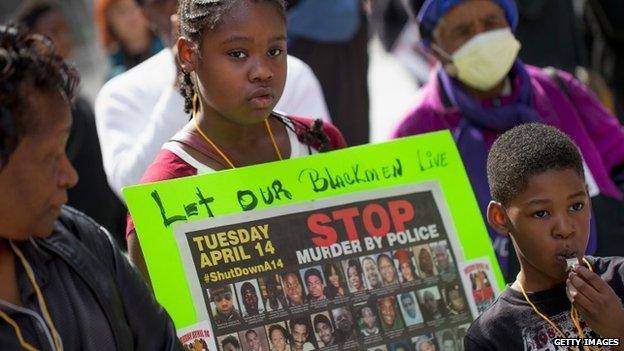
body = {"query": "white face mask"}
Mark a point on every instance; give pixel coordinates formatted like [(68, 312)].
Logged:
[(484, 61)]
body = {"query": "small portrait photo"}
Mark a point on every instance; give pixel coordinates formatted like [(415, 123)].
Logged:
[(455, 300), (425, 342), (302, 334), (367, 320), (407, 267), (371, 272), (345, 324), (355, 278), (389, 314), (409, 308), (447, 340), (293, 288), (198, 344), (254, 339), (314, 283), (272, 292), (335, 278), (229, 342), (387, 269), (324, 330), (249, 296), (431, 304), (442, 257), (399, 346), (378, 348), (424, 261), (482, 290), (279, 337), (460, 333), (223, 304)]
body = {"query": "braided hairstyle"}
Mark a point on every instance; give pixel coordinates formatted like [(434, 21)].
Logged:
[(27, 61), (198, 16)]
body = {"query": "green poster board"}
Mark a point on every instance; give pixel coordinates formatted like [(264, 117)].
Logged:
[(159, 207)]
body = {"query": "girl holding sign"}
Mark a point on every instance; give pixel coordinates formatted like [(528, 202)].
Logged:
[(232, 56)]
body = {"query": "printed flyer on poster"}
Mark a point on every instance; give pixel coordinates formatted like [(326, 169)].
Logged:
[(480, 284), (356, 271), (350, 244)]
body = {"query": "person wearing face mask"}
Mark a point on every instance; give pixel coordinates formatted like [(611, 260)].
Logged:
[(480, 89)]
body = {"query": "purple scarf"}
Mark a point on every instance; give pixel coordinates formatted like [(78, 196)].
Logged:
[(474, 150)]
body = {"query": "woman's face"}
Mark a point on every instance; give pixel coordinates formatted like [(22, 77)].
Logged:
[(354, 278), (406, 271), (334, 278), (278, 340)]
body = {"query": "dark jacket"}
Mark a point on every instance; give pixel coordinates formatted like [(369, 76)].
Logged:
[(96, 298)]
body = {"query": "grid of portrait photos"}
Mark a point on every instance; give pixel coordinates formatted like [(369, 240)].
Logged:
[(410, 298)]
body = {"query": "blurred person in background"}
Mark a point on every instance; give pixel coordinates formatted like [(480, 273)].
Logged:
[(605, 33), (92, 194), (480, 89), (550, 33), (393, 21), (332, 37), (139, 110), (125, 34)]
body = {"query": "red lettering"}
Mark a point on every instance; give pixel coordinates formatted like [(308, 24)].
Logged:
[(401, 211), (326, 235), (384, 220), (346, 215)]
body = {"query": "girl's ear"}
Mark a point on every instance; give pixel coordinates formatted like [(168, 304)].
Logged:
[(496, 218), (186, 54)]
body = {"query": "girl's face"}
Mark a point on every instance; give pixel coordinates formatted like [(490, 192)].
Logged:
[(406, 271), (354, 278), (241, 66), (334, 278)]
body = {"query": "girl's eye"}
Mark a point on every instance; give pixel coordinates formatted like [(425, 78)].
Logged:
[(577, 207), (275, 52), (237, 54), (540, 214)]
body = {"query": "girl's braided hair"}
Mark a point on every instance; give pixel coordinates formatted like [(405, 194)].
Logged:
[(198, 16), (27, 61)]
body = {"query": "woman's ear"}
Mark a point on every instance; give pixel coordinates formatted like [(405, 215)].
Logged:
[(187, 54), (496, 217)]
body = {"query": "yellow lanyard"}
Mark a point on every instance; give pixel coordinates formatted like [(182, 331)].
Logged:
[(214, 146), (573, 313), (42, 304)]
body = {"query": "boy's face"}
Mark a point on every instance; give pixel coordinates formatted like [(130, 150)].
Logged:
[(548, 221)]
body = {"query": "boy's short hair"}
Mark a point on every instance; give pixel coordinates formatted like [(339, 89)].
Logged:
[(525, 151)]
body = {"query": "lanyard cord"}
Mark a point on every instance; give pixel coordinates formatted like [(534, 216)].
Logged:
[(573, 312), (42, 305), (18, 332), (214, 146)]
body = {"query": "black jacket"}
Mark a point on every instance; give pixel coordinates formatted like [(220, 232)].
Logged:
[(89, 285)]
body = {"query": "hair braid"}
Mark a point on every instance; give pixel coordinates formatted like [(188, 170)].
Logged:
[(196, 17), (187, 89)]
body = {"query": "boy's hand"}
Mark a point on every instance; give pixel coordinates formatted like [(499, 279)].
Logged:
[(597, 303)]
